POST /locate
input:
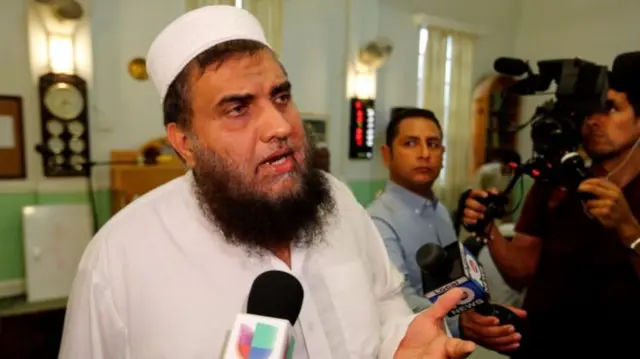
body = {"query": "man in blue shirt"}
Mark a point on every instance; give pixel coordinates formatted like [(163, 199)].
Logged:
[(408, 214)]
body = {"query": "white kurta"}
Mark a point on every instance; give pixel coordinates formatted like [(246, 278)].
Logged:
[(158, 281)]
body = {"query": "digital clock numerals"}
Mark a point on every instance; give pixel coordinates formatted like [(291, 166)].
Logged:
[(364, 117)]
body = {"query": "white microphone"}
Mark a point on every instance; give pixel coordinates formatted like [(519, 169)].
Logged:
[(265, 331)]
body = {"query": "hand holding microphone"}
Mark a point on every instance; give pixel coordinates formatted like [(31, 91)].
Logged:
[(490, 332), (442, 269)]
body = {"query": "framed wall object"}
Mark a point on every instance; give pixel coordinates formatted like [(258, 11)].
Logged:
[(316, 128), (65, 125), (12, 156)]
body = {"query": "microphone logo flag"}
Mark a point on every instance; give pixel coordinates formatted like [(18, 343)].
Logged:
[(257, 337), (469, 296), (472, 282)]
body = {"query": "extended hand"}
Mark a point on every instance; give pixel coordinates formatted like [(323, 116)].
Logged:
[(610, 208), (426, 337), (488, 332)]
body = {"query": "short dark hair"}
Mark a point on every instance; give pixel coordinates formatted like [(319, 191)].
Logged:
[(623, 78), (399, 114), (177, 102)]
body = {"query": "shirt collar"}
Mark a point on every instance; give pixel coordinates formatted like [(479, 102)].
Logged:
[(410, 199)]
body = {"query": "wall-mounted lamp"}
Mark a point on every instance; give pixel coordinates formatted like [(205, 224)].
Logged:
[(364, 84), (61, 54), (361, 80)]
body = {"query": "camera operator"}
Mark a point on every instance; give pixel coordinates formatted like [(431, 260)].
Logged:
[(579, 257)]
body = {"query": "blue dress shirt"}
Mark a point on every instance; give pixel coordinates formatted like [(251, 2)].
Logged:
[(406, 221)]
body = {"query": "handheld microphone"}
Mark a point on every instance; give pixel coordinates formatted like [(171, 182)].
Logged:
[(455, 267), (265, 331)]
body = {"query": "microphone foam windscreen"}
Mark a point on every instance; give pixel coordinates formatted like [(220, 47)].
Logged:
[(276, 294), (431, 257)]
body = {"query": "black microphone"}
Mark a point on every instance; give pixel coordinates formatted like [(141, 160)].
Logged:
[(276, 294), (273, 307), (443, 269), (511, 66)]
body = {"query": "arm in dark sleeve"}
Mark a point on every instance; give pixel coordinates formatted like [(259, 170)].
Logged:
[(517, 260)]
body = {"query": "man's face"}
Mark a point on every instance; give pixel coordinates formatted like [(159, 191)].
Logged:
[(243, 112), (417, 152), (250, 159), (605, 135)]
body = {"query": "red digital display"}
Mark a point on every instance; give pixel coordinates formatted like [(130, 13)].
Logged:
[(361, 129)]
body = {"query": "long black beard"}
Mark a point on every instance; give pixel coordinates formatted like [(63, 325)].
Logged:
[(246, 217)]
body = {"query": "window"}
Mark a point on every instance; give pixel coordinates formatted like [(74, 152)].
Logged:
[(447, 88), (423, 42)]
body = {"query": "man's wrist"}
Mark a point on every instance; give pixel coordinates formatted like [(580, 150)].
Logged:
[(629, 233)]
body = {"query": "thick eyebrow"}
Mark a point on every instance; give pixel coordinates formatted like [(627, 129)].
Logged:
[(247, 98), (281, 88), (417, 138), (235, 99)]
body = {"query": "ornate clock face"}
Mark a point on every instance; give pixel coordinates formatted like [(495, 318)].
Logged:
[(64, 101)]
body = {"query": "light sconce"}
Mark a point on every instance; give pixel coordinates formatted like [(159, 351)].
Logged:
[(365, 84), (61, 54), (361, 82)]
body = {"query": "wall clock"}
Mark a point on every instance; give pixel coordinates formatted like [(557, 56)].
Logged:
[(65, 125), (64, 100)]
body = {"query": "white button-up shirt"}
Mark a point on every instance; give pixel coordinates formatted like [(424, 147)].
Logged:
[(158, 281)]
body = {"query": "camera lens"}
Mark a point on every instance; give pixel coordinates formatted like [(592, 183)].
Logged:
[(546, 134), (573, 170)]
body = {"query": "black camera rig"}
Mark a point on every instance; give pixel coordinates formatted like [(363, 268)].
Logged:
[(581, 90)]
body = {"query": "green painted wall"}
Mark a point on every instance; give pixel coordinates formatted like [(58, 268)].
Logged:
[(11, 248), (366, 191)]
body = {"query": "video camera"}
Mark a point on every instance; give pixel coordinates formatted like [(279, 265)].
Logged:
[(581, 91)]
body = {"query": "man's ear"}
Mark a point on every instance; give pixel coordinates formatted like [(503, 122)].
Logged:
[(386, 155), (182, 143)]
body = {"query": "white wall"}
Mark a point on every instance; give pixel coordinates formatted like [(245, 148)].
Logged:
[(313, 52), (595, 30), (127, 111)]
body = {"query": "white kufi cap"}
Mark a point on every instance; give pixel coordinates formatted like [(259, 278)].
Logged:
[(193, 33)]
